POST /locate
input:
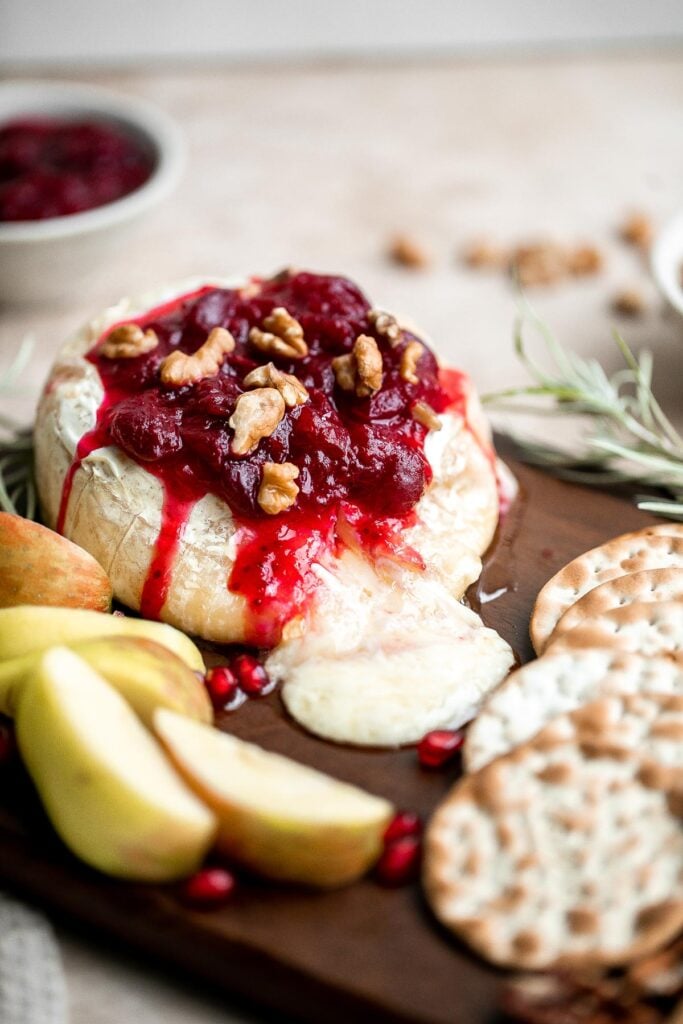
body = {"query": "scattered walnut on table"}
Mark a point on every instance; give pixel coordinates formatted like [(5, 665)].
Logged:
[(385, 324), (584, 261), (424, 414), (360, 370), (257, 415), (410, 357), (282, 335), (484, 255), (637, 230), (127, 341), (408, 253), (181, 368), (278, 490), (539, 263), (629, 302), (289, 386)]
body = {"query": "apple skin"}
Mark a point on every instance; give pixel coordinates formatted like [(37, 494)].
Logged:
[(146, 674), (37, 566), (285, 838), (28, 629), (105, 783)]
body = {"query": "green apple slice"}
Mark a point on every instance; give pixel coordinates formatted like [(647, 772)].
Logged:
[(28, 628), (106, 785), (146, 674), (280, 818)]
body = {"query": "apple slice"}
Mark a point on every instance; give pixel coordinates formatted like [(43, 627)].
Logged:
[(280, 818), (106, 785), (146, 674), (37, 566), (30, 628)]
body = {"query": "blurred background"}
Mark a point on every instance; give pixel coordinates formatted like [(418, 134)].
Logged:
[(419, 148)]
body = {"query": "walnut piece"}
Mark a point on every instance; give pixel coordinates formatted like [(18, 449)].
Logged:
[(278, 490), (408, 253), (385, 324), (424, 414), (629, 302), (483, 255), (180, 368), (584, 260), (282, 335), (128, 341), (637, 230), (360, 370), (289, 386), (540, 263), (257, 414), (410, 357)]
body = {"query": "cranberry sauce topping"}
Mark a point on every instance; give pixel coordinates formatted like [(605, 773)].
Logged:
[(360, 460), (53, 167)]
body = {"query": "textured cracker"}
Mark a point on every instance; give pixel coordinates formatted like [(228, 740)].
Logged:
[(652, 548), (648, 628), (558, 683), (648, 585), (561, 854)]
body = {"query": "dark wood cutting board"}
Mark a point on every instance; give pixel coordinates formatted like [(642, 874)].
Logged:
[(362, 953)]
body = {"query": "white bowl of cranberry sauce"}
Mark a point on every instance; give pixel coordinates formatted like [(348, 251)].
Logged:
[(79, 168)]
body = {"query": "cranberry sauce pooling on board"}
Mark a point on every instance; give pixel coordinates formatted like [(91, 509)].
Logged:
[(51, 167), (292, 400)]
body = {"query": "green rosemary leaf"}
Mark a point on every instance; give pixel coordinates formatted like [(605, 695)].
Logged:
[(628, 437)]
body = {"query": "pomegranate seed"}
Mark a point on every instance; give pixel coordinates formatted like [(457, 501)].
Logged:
[(251, 675), (8, 744), (400, 862), (439, 747), (221, 684), (405, 823), (210, 887)]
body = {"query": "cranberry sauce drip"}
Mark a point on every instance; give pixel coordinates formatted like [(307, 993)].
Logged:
[(361, 461), (53, 167)]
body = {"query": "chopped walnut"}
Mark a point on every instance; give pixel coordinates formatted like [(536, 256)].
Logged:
[(584, 261), (629, 302), (424, 414), (484, 255), (278, 490), (128, 341), (408, 253), (410, 357), (180, 369), (282, 335), (289, 386), (637, 230), (540, 263), (385, 324), (257, 414), (361, 369)]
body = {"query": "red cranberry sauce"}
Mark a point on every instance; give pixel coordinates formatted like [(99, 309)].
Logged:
[(51, 167), (361, 461)]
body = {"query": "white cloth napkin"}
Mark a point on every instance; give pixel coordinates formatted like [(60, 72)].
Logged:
[(32, 984)]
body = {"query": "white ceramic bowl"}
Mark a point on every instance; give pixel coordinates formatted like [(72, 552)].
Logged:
[(667, 261), (50, 259)]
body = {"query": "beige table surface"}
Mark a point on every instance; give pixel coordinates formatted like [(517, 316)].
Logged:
[(316, 167)]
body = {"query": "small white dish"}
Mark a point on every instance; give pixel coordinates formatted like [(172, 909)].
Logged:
[(50, 259), (666, 261)]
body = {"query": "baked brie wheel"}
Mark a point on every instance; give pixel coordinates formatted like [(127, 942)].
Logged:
[(274, 462)]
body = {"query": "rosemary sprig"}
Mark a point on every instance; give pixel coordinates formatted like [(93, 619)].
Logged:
[(17, 487), (629, 438)]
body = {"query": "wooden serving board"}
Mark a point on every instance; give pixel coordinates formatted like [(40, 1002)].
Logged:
[(364, 952)]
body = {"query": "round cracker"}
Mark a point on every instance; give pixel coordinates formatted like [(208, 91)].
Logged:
[(561, 854), (557, 683), (631, 552), (648, 627), (648, 585)]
